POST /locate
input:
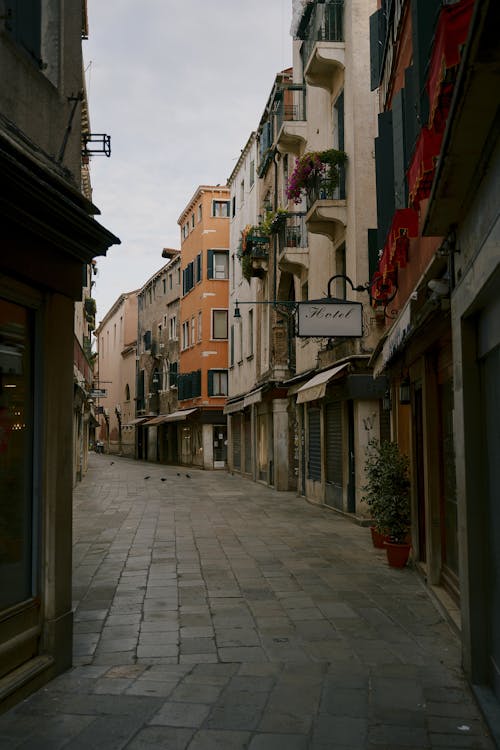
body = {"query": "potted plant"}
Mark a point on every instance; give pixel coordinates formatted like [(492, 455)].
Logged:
[(313, 167), (388, 497)]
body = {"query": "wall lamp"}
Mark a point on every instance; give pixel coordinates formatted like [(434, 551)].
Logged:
[(404, 391)]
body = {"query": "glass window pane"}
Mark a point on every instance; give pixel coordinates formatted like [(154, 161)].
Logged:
[(16, 453), (220, 324)]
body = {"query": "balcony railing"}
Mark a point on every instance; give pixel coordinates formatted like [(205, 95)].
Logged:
[(294, 232), (291, 105), (326, 24), (326, 187)]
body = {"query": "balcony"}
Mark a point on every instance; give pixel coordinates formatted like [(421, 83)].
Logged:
[(290, 118), (323, 48), (294, 245), (254, 253), (326, 204)]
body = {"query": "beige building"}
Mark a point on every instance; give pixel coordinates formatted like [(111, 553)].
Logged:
[(158, 362), (115, 376), (48, 234)]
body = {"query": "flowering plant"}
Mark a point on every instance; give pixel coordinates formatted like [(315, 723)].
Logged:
[(311, 166)]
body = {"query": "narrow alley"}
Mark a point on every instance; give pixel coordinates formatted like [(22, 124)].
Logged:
[(213, 612)]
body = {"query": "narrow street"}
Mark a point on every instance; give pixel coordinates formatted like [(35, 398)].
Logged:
[(212, 612)]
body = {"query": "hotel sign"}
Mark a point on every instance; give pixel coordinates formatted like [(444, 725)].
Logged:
[(330, 318)]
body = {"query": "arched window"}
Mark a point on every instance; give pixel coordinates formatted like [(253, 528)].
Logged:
[(127, 393)]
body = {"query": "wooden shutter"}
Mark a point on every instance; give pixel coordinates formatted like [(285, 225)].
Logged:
[(210, 264), (384, 165), (398, 148), (210, 383)]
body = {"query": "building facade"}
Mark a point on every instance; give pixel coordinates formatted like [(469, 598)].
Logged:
[(158, 362), (438, 218), (115, 377), (202, 383), (48, 234)]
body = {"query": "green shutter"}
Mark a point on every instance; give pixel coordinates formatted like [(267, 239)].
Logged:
[(373, 249), (412, 126), (398, 147), (377, 41), (424, 17), (210, 264), (210, 383), (197, 383), (384, 167)]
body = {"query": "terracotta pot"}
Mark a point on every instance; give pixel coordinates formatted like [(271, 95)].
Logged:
[(378, 539), (397, 554)]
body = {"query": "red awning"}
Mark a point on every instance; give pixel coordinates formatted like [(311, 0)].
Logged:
[(395, 254), (450, 36), (423, 164)]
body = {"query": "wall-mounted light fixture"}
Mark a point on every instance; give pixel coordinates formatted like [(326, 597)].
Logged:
[(404, 391)]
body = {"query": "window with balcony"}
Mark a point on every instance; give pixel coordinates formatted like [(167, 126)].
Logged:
[(217, 382), (219, 324)]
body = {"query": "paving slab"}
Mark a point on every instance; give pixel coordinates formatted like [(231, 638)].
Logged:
[(222, 614)]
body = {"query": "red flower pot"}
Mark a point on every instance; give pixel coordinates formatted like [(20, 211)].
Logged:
[(378, 539), (397, 554)]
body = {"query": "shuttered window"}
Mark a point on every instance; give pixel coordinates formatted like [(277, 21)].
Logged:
[(314, 443), (384, 163), (398, 149)]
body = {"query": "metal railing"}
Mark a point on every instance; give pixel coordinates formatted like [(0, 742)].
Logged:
[(294, 232), (326, 24), (291, 105), (327, 187)]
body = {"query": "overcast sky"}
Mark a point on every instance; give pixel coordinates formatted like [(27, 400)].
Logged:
[(179, 86)]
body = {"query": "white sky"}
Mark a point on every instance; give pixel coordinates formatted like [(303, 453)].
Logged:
[(179, 86)]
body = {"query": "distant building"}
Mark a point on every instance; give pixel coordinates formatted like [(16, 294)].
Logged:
[(158, 362), (204, 328), (48, 235), (115, 376)]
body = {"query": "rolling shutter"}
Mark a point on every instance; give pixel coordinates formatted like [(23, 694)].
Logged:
[(314, 444), (334, 458)]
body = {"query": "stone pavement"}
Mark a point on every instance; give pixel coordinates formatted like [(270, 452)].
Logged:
[(213, 613)]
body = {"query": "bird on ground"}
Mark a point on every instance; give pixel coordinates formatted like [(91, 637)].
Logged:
[(111, 463), (163, 479), (178, 474), (188, 476), (146, 477)]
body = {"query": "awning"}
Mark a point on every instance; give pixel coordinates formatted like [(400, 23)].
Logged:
[(156, 420), (137, 421), (316, 387), (177, 416), (235, 406), (254, 397)]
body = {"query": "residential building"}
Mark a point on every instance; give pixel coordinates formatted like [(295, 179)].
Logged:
[(115, 376), (316, 402), (158, 362), (48, 234), (202, 382), (243, 330), (437, 190)]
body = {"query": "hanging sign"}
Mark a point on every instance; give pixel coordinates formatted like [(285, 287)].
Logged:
[(98, 393), (330, 318)]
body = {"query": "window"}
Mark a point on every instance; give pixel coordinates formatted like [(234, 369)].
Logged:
[(192, 220), (250, 333), (198, 267), (188, 278), (170, 281), (127, 392), (172, 333), (189, 385), (242, 192), (200, 212), (24, 24), (172, 375), (147, 341), (252, 172), (199, 326), (220, 209), (217, 382), (193, 330), (240, 342), (233, 206), (185, 335), (231, 347), (218, 264), (164, 281), (219, 324), (178, 276)]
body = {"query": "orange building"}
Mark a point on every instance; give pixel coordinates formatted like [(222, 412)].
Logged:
[(203, 360)]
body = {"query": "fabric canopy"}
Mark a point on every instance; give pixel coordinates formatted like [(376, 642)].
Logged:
[(177, 416), (316, 387), (423, 165)]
